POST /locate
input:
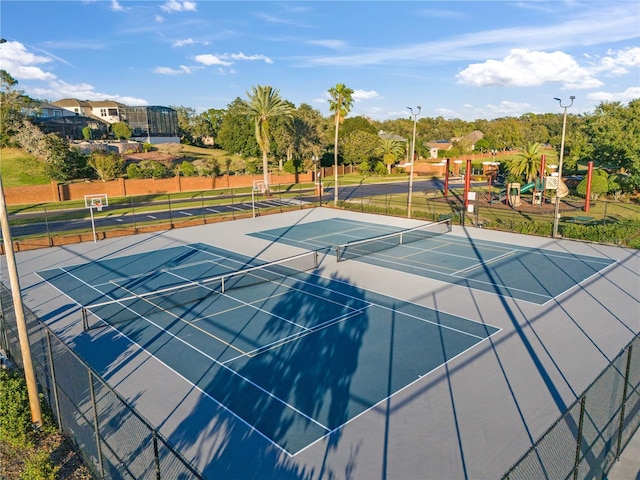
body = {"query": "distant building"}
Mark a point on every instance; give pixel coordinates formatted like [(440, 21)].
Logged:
[(51, 118), (153, 124), (469, 139)]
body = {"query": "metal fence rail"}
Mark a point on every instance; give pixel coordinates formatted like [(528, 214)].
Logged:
[(585, 442), (115, 441)]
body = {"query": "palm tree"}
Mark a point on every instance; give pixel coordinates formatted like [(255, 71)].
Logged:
[(527, 162), (340, 104), (389, 150), (264, 103)]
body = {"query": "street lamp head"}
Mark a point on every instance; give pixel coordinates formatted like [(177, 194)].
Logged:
[(556, 98), (572, 97)]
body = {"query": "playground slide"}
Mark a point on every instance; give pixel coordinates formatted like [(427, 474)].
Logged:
[(527, 187), (524, 189)]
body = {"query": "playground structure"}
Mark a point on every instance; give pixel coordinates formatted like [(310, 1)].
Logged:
[(514, 190)]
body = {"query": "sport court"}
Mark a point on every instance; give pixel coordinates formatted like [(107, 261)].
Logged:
[(223, 321), (531, 274), (471, 416)]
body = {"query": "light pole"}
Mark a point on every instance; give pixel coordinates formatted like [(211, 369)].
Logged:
[(556, 215), (413, 154)]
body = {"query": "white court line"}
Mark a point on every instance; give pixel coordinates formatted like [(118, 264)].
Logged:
[(212, 359), (296, 336), (394, 262), (482, 264), (243, 302), (325, 428), (186, 213)]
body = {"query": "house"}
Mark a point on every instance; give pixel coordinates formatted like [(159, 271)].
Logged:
[(37, 109), (152, 124), (52, 118), (469, 141)]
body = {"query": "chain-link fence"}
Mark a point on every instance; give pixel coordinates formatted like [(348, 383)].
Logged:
[(586, 441), (46, 225), (115, 441)]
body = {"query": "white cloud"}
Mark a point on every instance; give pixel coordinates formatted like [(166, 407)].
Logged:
[(359, 95), (58, 89), (159, 18), (225, 58), (626, 96), (182, 43), (445, 112), (598, 23), (333, 44), (21, 64), (506, 108), (178, 6), (116, 7), (172, 71), (242, 56), (616, 63), (210, 59), (525, 68)]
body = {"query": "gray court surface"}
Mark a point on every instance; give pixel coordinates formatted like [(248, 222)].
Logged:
[(472, 417)]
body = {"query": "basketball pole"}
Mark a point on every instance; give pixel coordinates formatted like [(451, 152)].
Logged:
[(23, 333), (93, 225)]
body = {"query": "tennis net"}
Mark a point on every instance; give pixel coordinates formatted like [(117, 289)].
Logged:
[(367, 246), (135, 306)]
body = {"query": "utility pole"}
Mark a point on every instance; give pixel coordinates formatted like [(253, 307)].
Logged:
[(23, 334)]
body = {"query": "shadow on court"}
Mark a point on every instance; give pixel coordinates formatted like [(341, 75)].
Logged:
[(315, 375)]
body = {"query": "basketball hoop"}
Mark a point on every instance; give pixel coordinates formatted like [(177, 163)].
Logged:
[(98, 202), (258, 186)]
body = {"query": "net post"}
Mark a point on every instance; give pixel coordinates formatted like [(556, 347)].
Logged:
[(222, 284), (315, 259), (85, 321)]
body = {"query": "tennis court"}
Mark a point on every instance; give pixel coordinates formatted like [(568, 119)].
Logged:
[(253, 353), (531, 274), (225, 322)]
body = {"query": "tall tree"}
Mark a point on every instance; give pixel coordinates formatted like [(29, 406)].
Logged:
[(207, 125), (12, 102), (390, 150), (186, 121), (236, 132), (359, 146), (527, 162), (340, 104), (265, 103), (613, 133)]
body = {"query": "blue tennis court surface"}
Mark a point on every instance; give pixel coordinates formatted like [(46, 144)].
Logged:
[(338, 350), (531, 274)]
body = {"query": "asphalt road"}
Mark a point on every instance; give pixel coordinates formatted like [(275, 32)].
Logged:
[(165, 213)]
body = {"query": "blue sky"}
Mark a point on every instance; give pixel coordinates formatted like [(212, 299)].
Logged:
[(456, 59)]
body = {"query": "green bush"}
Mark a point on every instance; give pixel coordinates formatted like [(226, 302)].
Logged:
[(187, 169), (39, 467), (528, 227), (15, 414)]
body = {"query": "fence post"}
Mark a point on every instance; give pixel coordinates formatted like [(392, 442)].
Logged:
[(54, 383), (624, 401), (156, 453), (96, 427), (583, 400)]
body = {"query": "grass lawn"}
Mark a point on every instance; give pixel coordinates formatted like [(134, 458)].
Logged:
[(18, 168)]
